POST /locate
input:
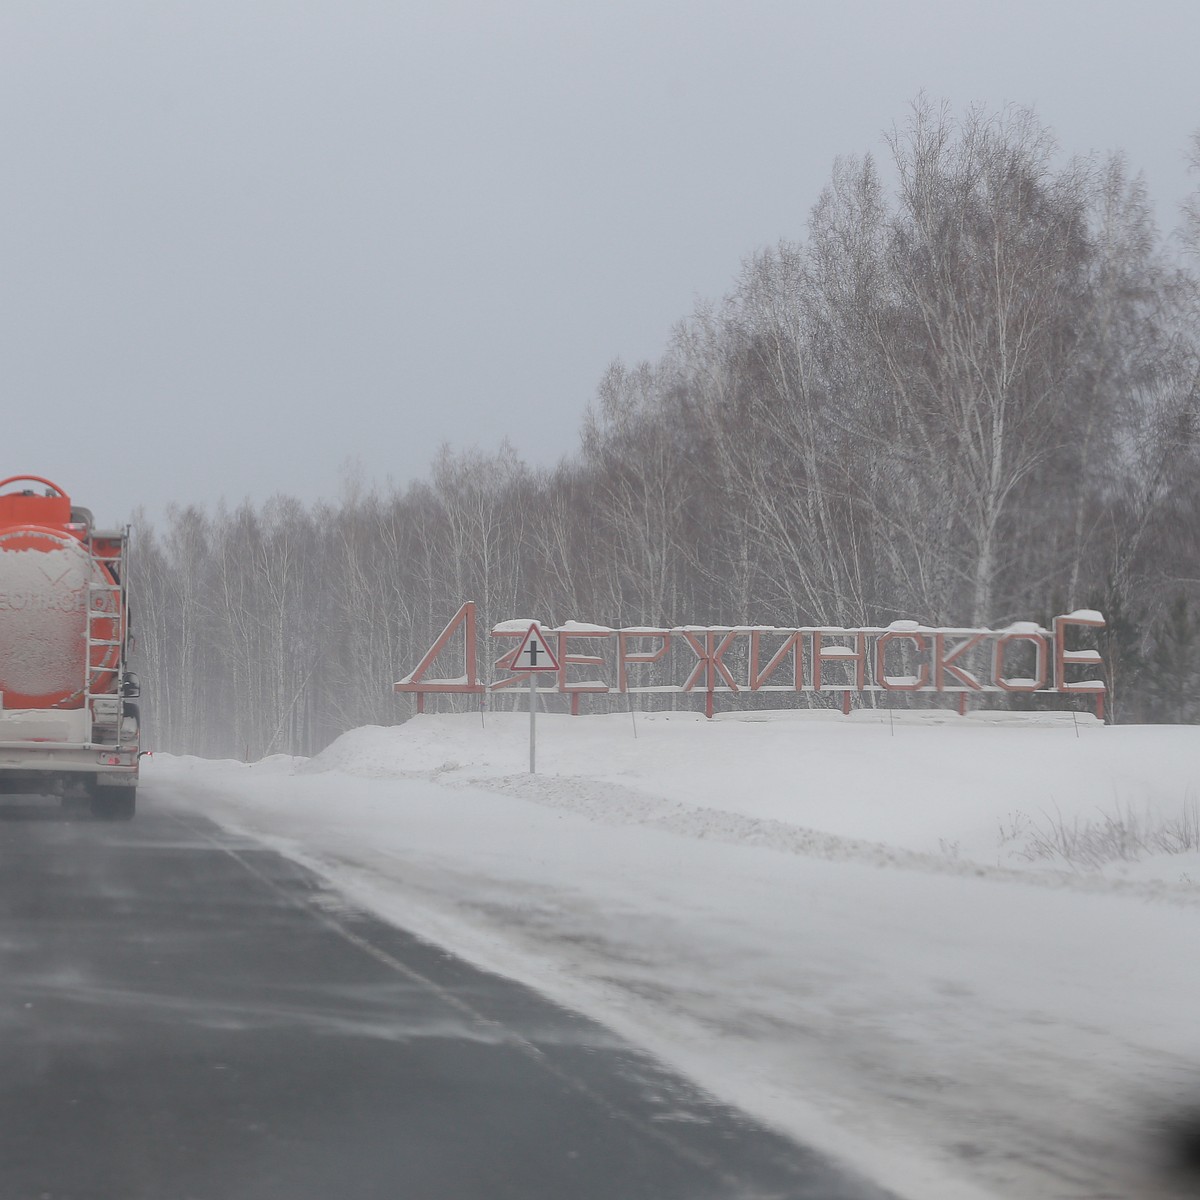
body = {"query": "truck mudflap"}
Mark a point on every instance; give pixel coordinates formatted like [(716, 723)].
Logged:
[(113, 779)]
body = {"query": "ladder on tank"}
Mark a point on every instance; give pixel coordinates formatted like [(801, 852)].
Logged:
[(107, 614)]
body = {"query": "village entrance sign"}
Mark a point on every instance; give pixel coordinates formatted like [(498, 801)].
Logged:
[(904, 657)]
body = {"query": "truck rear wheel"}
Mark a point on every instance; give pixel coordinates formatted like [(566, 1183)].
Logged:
[(113, 804)]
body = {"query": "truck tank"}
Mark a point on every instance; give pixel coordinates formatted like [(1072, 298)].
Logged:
[(64, 719)]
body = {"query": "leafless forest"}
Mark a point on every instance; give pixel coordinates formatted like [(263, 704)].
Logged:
[(967, 394)]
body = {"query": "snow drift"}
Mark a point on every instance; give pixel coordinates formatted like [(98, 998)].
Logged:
[(957, 951)]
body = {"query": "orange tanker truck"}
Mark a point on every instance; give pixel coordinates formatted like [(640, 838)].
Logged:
[(68, 721)]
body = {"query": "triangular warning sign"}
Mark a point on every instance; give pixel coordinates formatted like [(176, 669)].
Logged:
[(534, 653)]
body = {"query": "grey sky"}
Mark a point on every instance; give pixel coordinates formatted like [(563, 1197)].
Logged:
[(242, 241)]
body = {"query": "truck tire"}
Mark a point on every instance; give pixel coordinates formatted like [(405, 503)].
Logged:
[(113, 804)]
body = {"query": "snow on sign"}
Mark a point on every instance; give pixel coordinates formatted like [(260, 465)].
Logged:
[(534, 653), (903, 657)]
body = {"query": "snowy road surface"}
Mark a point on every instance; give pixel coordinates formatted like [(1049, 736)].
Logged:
[(963, 955), (187, 1015)]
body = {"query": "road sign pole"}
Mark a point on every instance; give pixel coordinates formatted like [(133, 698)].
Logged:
[(533, 655), (532, 722)]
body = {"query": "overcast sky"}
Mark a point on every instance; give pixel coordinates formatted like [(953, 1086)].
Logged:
[(245, 241)]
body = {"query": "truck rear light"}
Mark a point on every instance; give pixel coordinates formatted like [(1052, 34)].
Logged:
[(115, 760)]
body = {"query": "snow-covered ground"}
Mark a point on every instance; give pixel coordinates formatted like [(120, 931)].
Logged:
[(964, 954)]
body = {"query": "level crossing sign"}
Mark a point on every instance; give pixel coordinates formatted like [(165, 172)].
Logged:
[(534, 653)]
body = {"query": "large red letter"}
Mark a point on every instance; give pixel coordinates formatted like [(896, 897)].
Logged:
[(841, 654), (585, 660), (710, 663), (944, 664), (466, 682), (624, 658), (794, 642), (900, 683), (1040, 652), (1064, 658)]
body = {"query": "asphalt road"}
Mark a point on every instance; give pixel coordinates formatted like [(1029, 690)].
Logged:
[(188, 1016)]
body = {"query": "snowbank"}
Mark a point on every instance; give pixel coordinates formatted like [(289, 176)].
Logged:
[(956, 951)]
